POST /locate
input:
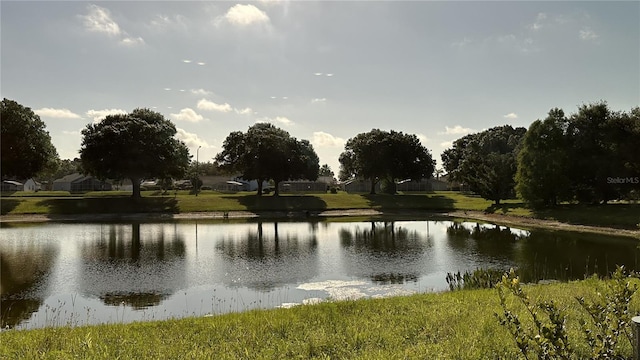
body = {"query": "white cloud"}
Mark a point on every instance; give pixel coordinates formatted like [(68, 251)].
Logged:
[(541, 20), (187, 114), (202, 92), (281, 120), (587, 34), (511, 116), (166, 23), (318, 100), (456, 130), (245, 111), (423, 139), (243, 15), (130, 41), (446, 144), (205, 104), (190, 139), (322, 139), (99, 115), (57, 113), (98, 19)]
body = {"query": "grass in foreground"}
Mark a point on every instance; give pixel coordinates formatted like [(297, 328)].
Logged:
[(451, 325)]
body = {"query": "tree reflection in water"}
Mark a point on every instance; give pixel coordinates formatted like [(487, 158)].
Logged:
[(22, 270), (541, 255), (265, 259), (385, 253), (133, 267)]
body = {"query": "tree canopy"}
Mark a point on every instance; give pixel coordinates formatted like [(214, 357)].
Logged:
[(486, 161), (542, 177), (135, 146), (266, 152), (592, 156), (26, 145), (388, 156), (325, 170)]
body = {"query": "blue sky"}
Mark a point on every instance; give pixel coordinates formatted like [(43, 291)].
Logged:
[(323, 71)]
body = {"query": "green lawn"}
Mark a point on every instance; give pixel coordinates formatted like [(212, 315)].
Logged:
[(615, 215), (450, 325)]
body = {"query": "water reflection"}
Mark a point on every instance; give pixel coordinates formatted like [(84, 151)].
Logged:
[(123, 265), (384, 252), (23, 270), (549, 255), (266, 258), (80, 274)]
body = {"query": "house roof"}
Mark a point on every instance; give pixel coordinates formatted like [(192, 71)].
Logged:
[(69, 178), (11, 182)]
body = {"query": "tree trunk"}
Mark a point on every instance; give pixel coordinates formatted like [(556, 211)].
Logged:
[(373, 187), (276, 191), (136, 187), (259, 187)]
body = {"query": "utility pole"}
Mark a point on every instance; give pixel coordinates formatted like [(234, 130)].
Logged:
[(197, 171)]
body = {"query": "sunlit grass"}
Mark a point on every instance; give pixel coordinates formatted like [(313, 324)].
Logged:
[(450, 325), (615, 215)]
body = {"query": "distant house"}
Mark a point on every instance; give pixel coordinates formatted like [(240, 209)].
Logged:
[(80, 183), (12, 185), (423, 185), (302, 186), (31, 186), (359, 186)]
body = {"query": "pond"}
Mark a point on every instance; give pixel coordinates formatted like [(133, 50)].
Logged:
[(59, 274)]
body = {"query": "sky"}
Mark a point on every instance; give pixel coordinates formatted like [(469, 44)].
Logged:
[(324, 71)]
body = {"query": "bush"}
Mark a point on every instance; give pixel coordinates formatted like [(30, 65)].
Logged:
[(546, 335)]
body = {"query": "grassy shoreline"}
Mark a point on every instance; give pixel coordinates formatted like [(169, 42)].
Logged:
[(623, 219), (449, 325)]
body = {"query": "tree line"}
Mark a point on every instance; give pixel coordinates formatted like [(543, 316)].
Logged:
[(590, 156)]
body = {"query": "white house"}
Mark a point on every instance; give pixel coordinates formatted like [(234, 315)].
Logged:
[(31, 185)]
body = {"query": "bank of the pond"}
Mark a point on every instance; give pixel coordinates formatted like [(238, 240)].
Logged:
[(522, 222), (613, 219), (449, 325)]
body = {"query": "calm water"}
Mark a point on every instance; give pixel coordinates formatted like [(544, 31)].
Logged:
[(57, 274)]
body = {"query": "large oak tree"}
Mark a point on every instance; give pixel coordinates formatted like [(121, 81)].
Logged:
[(133, 146), (26, 145), (486, 161), (385, 155), (266, 152)]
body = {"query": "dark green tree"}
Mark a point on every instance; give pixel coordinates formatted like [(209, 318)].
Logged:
[(486, 161), (542, 177), (266, 152), (623, 139), (134, 146), (325, 170), (590, 153), (385, 156), (26, 145)]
